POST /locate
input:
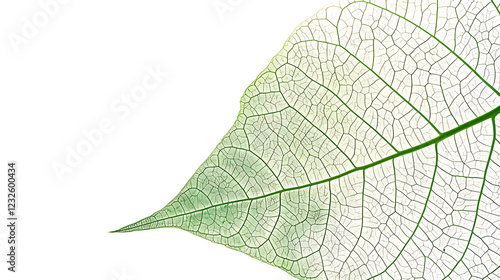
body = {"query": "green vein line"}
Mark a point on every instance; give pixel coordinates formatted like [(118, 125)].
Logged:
[(395, 186), (498, 267), (437, 13), (478, 200), (495, 6), (419, 220), (439, 41), (362, 221), (380, 78), (342, 101), (253, 153), (297, 111), (490, 115)]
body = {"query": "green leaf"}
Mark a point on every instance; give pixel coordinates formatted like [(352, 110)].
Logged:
[(368, 148)]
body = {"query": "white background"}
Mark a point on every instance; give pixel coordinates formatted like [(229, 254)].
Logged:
[(64, 79)]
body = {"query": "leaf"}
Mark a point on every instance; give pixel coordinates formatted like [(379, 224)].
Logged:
[(368, 148)]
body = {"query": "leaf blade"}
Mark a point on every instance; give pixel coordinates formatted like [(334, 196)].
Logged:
[(295, 177)]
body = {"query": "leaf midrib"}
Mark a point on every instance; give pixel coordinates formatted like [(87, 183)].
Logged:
[(490, 115)]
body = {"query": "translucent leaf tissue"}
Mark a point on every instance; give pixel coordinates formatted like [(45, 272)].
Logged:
[(367, 149)]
